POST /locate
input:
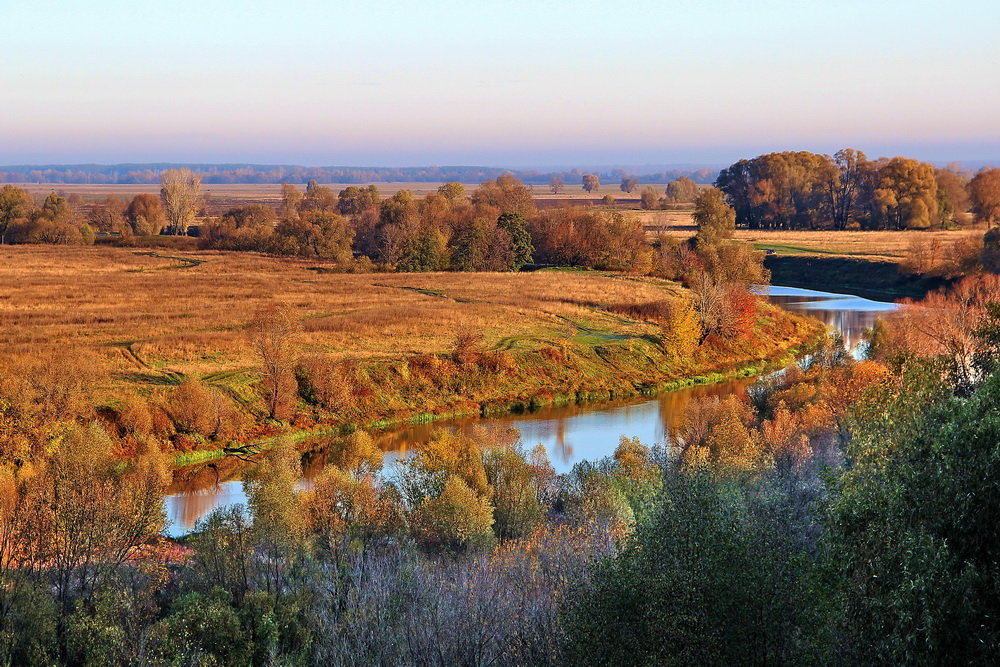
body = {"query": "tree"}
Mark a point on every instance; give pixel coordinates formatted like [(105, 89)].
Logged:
[(456, 519), (180, 190), (905, 194), (521, 248), (952, 196), (453, 192), (845, 188), (291, 197), (272, 332), (556, 185), (709, 557), (591, 182), (15, 204), (649, 198), (984, 191), (145, 214), (628, 184), (715, 219), (98, 511), (991, 250), (108, 216), (911, 526), (506, 193), (681, 191)]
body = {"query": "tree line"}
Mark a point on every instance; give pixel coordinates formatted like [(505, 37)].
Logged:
[(803, 190), (260, 173)]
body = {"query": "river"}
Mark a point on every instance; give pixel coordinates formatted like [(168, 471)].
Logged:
[(570, 434)]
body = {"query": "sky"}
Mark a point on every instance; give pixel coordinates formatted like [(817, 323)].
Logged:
[(513, 83)]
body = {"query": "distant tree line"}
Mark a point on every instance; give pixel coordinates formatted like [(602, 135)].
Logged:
[(258, 173), (802, 190)]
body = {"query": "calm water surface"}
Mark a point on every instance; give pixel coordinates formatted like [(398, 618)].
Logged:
[(570, 434)]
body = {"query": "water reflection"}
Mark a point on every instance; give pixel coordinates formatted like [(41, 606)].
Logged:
[(570, 434)]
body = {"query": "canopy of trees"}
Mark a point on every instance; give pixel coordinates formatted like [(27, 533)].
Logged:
[(802, 190)]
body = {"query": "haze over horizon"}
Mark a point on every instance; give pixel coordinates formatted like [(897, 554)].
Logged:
[(402, 83)]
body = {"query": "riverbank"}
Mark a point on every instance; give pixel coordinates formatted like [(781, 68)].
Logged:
[(590, 370)]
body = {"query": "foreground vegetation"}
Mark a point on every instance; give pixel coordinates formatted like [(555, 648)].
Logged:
[(474, 551)]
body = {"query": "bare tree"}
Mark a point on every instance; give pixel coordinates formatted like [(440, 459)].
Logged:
[(272, 331), (180, 190), (556, 185)]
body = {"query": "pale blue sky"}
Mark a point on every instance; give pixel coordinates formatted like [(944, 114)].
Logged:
[(514, 83)]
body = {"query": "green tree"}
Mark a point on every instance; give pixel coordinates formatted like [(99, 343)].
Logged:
[(912, 528), (521, 248), (682, 589)]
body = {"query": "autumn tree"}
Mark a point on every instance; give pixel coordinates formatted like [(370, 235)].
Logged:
[(180, 190), (714, 217), (108, 216), (845, 187), (905, 194), (453, 192), (649, 198), (507, 194), (591, 182), (628, 184), (99, 511), (952, 196), (272, 332), (984, 191), (681, 191), (354, 200), (145, 214), (15, 204), (457, 519), (291, 197), (556, 185)]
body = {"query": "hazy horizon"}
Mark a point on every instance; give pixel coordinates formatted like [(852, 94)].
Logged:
[(401, 83)]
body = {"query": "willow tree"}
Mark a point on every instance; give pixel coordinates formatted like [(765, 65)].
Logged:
[(180, 190)]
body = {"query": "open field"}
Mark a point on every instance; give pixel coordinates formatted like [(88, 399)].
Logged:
[(158, 317), (221, 196), (876, 245)]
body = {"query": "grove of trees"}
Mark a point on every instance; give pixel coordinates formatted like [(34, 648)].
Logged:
[(802, 190)]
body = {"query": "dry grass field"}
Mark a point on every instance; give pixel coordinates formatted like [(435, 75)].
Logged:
[(157, 317), (184, 314), (219, 197), (876, 245)]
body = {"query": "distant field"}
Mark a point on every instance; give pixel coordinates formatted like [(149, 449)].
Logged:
[(888, 245), (220, 196)]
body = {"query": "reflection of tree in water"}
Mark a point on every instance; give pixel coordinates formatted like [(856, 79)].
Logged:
[(674, 405)]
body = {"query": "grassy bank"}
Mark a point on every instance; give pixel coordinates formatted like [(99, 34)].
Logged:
[(594, 369), (374, 350)]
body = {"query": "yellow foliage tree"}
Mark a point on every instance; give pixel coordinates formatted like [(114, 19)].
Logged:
[(457, 519)]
